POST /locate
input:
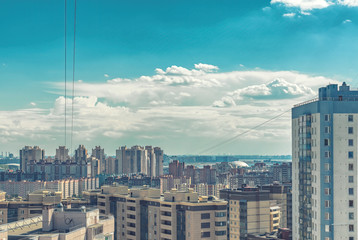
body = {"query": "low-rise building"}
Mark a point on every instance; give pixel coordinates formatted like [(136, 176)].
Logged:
[(144, 213), (58, 223)]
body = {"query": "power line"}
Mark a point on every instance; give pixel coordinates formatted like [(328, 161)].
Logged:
[(73, 73), (65, 73), (243, 133)]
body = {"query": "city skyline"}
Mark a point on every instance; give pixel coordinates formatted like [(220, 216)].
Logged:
[(183, 78)]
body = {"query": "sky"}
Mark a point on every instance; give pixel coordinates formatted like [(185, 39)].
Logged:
[(183, 75)]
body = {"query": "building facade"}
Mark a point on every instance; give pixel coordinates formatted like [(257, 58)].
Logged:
[(324, 159), (144, 214)]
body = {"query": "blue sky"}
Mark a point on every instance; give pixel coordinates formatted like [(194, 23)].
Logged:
[(247, 49)]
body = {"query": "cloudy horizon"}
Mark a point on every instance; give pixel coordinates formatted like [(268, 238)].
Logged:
[(185, 79)]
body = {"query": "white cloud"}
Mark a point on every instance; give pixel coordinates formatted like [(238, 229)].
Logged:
[(177, 108), (32, 103), (289, 14), (347, 21), (106, 75), (349, 3), (307, 5), (206, 67), (304, 4)]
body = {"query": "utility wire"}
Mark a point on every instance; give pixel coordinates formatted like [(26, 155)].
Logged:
[(243, 133), (65, 73), (73, 74)]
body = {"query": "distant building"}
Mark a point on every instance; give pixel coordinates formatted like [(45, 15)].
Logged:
[(176, 168), (68, 187), (137, 159), (98, 153), (30, 155)]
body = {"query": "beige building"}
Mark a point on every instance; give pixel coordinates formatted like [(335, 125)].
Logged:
[(57, 223), (11, 211), (275, 214), (250, 212), (144, 213)]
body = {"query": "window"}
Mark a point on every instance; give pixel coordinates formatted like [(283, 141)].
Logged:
[(35, 211), (327, 154), (350, 142), (350, 167), (350, 130), (351, 203), (350, 118), (350, 179), (327, 179), (327, 203), (327, 228), (350, 191), (327, 129), (327, 191), (327, 166), (351, 227), (220, 214), (327, 216), (205, 234), (350, 154), (327, 117), (326, 142), (220, 233), (205, 225), (351, 216), (205, 216), (351, 238)]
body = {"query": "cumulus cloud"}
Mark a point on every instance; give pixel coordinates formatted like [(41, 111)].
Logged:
[(289, 14), (207, 104), (307, 5), (106, 75), (206, 67), (304, 4), (349, 3), (33, 104)]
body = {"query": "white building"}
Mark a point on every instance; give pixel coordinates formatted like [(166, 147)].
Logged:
[(324, 171)]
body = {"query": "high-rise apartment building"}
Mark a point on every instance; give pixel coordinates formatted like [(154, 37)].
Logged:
[(98, 153), (30, 155), (62, 154), (176, 168), (324, 171), (137, 159)]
